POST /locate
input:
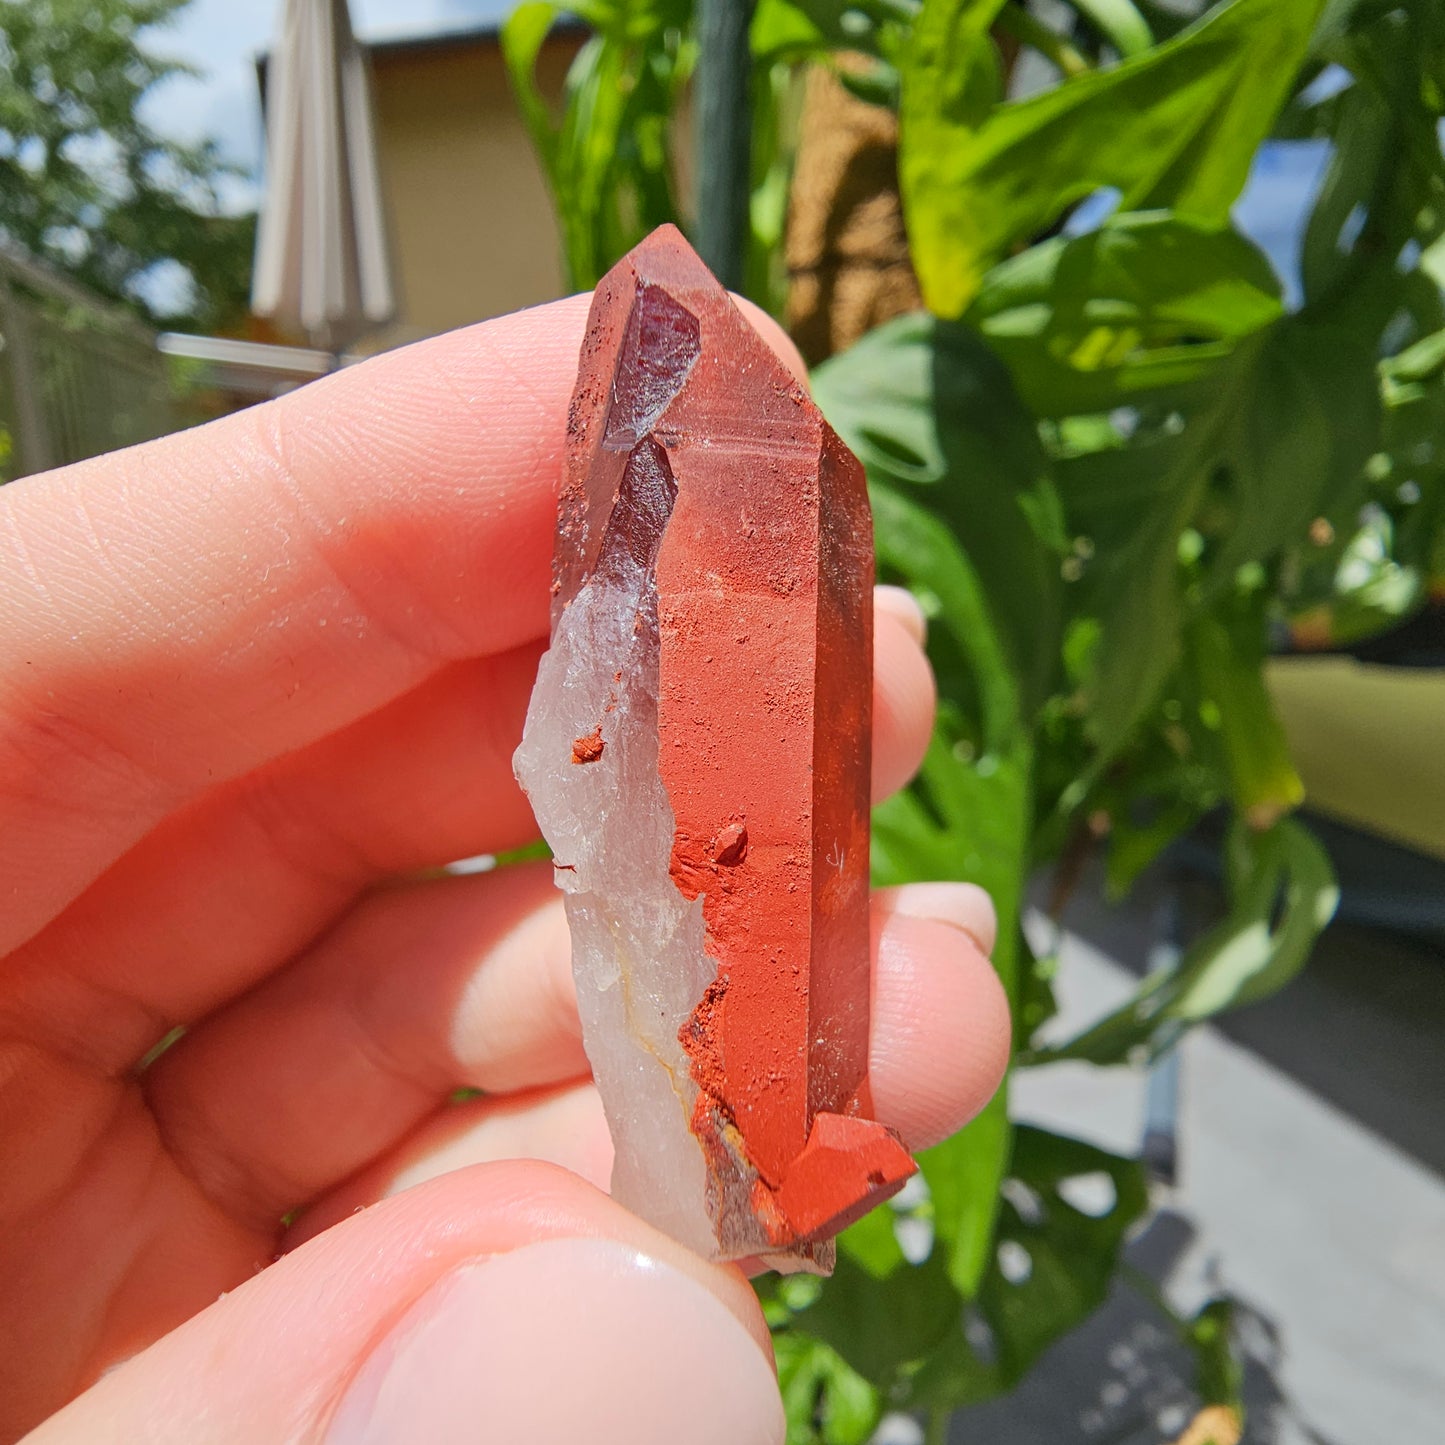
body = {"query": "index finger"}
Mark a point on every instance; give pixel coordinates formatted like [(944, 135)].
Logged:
[(180, 613)]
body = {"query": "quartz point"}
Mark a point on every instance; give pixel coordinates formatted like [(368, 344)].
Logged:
[(697, 755)]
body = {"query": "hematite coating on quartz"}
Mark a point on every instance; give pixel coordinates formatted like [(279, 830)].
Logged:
[(711, 665)]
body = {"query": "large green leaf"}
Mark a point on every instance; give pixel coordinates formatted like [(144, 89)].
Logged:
[(1147, 302), (1283, 893), (1176, 126), (963, 1175), (523, 34), (809, 28), (1051, 1266), (933, 416), (1307, 418), (1386, 179), (886, 1323), (907, 1330), (825, 1400), (1283, 434), (1140, 602)]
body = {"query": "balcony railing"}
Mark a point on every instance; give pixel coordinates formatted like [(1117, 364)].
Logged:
[(78, 375)]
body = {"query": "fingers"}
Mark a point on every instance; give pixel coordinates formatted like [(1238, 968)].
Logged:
[(939, 1049), (257, 868), (904, 695), (223, 893), (511, 1302), (179, 613), (563, 1125), (335, 1062), (940, 1040), (419, 990)]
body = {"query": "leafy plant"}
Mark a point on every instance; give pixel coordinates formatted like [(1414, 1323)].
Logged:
[(1112, 461), (87, 184)]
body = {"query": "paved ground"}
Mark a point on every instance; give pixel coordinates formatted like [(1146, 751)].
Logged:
[(1311, 1187)]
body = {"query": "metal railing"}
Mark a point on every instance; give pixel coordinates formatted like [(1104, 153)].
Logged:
[(78, 375)]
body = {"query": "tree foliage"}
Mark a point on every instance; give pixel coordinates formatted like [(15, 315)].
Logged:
[(1113, 462), (86, 183)]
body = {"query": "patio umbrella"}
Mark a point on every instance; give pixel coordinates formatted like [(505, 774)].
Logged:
[(321, 260)]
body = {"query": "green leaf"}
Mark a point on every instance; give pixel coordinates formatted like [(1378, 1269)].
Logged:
[(1062, 1218), (1225, 663), (1305, 420), (1070, 1250), (1119, 22), (1282, 437), (1358, 159), (782, 30), (1143, 607), (963, 1175), (1424, 361), (933, 416), (952, 458), (796, 29), (523, 33), (1176, 126), (885, 1325), (968, 817), (1386, 177), (607, 159), (826, 1402), (1051, 1266), (1219, 1376), (1283, 893), (1109, 486), (1148, 301)]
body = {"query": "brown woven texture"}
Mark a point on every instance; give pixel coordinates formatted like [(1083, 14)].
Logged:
[(846, 250)]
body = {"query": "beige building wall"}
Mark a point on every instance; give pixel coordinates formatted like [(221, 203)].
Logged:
[(472, 228)]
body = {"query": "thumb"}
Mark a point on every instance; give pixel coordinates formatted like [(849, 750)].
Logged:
[(503, 1302)]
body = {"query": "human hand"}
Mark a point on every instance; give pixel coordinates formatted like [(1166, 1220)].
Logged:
[(255, 679)]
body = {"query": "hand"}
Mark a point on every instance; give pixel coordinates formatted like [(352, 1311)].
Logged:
[(255, 680)]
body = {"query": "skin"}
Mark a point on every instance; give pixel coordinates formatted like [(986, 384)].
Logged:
[(256, 680)]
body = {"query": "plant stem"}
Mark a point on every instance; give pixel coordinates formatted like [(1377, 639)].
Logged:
[(1029, 30), (935, 1430), (724, 136)]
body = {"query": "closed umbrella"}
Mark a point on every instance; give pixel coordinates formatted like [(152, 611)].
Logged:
[(321, 258)]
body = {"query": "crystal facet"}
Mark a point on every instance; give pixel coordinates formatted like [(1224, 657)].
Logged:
[(697, 753)]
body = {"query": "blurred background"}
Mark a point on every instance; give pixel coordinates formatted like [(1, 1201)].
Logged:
[(1133, 310)]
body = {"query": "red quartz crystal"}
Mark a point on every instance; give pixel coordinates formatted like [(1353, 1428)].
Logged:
[(694, 451)]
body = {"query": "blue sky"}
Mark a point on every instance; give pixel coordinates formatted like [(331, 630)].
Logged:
[(224, 37)]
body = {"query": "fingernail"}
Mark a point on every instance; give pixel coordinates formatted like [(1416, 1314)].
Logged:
[(566, 1340), (899, 602), (965, 905)]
